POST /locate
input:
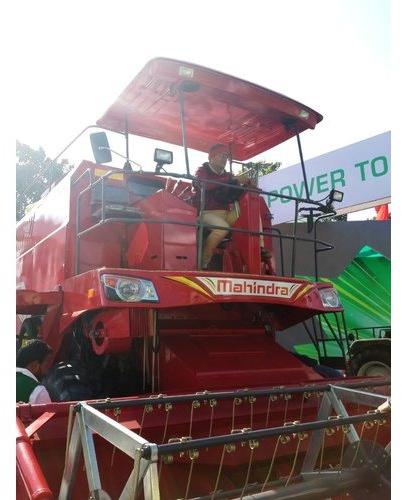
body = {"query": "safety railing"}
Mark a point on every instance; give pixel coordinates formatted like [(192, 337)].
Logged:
[(318, 245), (375, 332), (338, 332), (336, 327), (328, 449)]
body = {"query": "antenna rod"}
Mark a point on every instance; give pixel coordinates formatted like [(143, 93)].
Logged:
[(231, 161)]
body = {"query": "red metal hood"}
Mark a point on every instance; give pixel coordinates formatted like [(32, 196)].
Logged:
[(224, 109)]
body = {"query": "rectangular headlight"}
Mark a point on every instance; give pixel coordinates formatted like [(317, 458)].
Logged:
[(329, 297), (129, 289)]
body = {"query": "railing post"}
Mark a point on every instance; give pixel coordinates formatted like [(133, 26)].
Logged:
[(91, 463), (201, 227), (292, 273), (72, 462)]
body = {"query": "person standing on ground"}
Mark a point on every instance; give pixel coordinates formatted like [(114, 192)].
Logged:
[(32, 364)]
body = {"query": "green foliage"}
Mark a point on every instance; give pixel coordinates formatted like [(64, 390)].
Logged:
[(35, 174), (261, 167), (336, 218)]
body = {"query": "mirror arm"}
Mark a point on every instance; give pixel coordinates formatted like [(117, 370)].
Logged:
[(75, 138), (122, 156)]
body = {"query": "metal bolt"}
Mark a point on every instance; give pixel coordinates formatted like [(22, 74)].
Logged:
[(193, 454), (253, 444), (167, 459), (230, 447), (284, 439)]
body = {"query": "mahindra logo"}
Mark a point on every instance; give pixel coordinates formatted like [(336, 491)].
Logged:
[(261, 288)]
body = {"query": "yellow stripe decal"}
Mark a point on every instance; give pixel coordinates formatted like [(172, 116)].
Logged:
[(303, 291), (186, 281), (100, 171)]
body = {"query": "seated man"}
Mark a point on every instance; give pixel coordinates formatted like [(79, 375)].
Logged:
[(217, 209), (32, 362)]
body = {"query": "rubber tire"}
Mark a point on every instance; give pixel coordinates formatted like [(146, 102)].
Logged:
[(383, 355), (29, 330), (64, 383)]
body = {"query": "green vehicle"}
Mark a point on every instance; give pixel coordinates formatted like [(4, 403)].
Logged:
[(370, 357), (364, 348)]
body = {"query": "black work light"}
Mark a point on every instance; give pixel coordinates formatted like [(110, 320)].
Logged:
[(162, 157), (335, 195)]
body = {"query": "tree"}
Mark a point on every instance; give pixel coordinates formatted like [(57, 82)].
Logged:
[(35, 174), (261, 167), (336, 218)]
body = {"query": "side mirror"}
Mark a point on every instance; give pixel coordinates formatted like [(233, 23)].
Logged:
[(100, 147)]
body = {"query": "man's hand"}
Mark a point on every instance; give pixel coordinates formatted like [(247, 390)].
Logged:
[(385, 407), (246, 180)]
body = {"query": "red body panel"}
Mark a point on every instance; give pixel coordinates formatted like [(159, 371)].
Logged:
[(188, 299), (41, 241), (224, 361)]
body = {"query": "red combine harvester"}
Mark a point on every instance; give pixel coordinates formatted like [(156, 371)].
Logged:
[(168, 379)]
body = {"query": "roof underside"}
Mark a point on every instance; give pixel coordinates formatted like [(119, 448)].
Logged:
[(248, 118)]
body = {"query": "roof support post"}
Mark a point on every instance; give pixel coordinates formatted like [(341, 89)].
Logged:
[(127, 166), (183, 129), (303, 166)]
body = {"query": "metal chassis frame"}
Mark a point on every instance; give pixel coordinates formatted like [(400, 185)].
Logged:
[(89, 420), (339, 333), (333, 400)]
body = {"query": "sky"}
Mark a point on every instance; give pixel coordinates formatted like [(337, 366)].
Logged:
[(71, 59), (333, 56)]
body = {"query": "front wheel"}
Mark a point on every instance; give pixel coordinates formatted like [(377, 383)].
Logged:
[(64, 383), (372, 362)]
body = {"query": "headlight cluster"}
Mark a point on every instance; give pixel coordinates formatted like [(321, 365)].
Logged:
[(329, 297), (129, 289)]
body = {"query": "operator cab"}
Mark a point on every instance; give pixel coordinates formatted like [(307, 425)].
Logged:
[(195, 107)]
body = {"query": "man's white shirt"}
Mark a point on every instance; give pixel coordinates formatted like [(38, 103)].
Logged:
[(39, 395)]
